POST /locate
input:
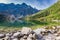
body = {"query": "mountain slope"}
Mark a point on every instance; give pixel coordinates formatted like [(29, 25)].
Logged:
[(52, 12), (17, 9)]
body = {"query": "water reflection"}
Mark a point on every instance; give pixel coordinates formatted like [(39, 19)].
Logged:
[(18, 23), (22, 23)]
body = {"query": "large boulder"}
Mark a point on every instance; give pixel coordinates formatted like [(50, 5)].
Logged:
[(25, 37), (39, 30), (2, 35), (58, 27), (58, 38), (22, 39), (9, 34), (29, 38), (17, 34), (26, 30), (15, 39), (49, 37)]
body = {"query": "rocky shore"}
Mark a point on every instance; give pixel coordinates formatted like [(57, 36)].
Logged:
[(46, 33)]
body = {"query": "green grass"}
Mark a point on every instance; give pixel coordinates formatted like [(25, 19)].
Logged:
[(52, 12)]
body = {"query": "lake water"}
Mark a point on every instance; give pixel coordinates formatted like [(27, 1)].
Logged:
[(19, 23), (22, 23)]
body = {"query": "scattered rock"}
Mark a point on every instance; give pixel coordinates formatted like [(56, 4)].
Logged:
[(49, 37), (15, 39), (9, 34), (25, 37), (2, 35), (29, 34), (58, 38), (26, 30), (39, 30), (17, 34)]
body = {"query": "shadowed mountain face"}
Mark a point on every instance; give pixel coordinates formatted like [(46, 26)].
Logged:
[(17, 9)]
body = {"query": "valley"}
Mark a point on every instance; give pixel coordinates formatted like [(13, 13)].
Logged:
[(37, 19)]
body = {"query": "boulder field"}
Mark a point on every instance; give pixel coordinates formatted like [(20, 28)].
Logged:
[(26, 33)]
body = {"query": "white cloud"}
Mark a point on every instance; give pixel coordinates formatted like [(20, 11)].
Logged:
[(3, 1)]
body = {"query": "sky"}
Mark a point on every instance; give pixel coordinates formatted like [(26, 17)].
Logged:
[(38, 4)]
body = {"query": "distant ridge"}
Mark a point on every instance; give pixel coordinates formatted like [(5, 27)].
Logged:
[(17, 9)]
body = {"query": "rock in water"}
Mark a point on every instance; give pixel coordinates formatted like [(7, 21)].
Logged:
[(26, 30)]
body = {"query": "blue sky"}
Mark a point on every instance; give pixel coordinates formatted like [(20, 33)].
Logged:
[(39, 4)]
